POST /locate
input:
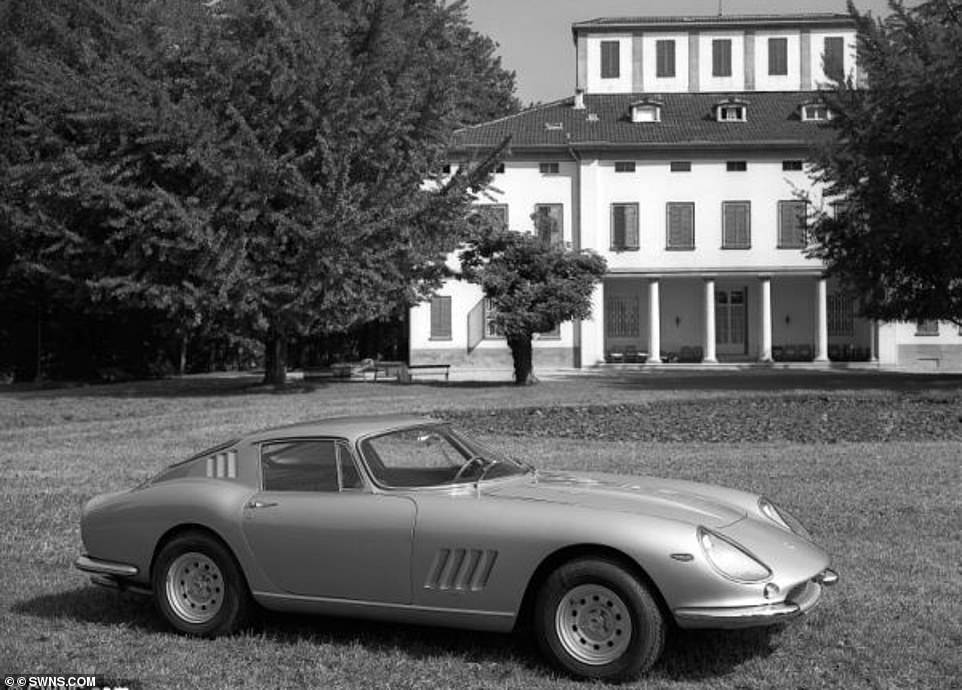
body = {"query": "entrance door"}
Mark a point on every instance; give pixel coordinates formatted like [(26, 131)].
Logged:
[(731, 321)]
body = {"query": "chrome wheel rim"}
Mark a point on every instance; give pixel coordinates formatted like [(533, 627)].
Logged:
[(195, 588), (593, 624)]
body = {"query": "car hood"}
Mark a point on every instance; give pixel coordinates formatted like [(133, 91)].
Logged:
[(698, 504)]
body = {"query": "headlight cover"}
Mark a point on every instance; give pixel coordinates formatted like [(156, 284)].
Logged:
[(782, 518), (731, 560)]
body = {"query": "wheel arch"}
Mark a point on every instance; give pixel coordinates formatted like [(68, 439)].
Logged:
[(574, 552), (187, 528)]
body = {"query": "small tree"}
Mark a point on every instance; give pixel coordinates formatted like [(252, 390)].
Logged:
[(533, 286), (895, 167)]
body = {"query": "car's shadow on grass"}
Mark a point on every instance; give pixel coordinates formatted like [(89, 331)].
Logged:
[(688, 655)]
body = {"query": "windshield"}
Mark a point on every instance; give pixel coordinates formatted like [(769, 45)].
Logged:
[(435, 455)]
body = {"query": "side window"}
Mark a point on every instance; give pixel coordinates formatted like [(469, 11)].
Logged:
[(300, 466), (350, 477)]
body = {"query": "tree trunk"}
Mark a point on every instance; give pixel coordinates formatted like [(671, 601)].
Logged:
[(522, 357), (275, 358)]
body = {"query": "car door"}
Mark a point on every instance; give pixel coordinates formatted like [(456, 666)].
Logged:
[(317, 530)]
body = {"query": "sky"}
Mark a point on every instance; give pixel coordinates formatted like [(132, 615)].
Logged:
[(535, 35)]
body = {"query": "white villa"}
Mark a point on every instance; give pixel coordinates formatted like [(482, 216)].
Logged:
[(681, 159)]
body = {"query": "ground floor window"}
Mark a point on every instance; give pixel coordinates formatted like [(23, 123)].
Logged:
[(621, 316), (841, 315), (441, 318), (927, 327), (491, 329)]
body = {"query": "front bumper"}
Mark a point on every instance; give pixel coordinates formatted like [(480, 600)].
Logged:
[(800, 600)]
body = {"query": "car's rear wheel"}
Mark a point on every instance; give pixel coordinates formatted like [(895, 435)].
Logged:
[(198, 587), (594, 619)]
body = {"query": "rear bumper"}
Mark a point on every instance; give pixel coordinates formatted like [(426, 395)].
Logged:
[(99, 567), (800, 600)]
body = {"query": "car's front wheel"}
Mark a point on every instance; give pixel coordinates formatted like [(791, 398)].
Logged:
[(198, 587), (596, 620)]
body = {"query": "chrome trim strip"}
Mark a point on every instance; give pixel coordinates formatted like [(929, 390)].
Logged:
[(750, 616), (94, 565), (380, 605), (827, 578)]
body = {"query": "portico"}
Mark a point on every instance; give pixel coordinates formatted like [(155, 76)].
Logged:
[(720, 317)]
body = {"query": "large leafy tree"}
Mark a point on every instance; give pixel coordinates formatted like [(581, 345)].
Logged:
[(895, 168), (534, 285), (256, 165)]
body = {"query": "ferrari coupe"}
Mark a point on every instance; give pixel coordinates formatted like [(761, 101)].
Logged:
[(408, 519)]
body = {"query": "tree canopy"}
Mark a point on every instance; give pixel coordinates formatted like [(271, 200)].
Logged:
[(534, 285), (893, 233), (256, 166)]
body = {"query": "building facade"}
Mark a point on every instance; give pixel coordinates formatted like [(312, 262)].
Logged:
[(683, 160)]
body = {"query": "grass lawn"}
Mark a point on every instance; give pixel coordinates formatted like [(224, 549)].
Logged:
[(890, 512)]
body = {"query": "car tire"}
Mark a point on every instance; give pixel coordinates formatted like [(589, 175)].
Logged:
[(596, 620), (199, 588)]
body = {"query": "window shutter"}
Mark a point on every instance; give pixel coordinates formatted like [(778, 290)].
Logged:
[(681, 225), (618, 226), (610, 67), (548, 221), (792, 224), (833, 59), (631, 226), (721, 55), (441, 318), (665, 58), (778, 56), (736, 224)]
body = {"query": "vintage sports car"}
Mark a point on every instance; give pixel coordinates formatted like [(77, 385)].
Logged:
[(408, 519)]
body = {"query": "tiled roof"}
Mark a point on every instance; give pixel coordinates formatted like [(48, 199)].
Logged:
[(831, 18), (687, 119)]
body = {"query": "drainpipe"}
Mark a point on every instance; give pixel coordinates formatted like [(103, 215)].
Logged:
[(576, 226)]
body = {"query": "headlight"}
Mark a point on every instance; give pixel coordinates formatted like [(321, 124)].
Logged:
[(782, 518), (730, 559)]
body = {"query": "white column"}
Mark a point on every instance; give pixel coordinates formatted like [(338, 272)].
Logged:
[(654, 322), (821, 320), (710, 356), (766, 350), (593, 330)]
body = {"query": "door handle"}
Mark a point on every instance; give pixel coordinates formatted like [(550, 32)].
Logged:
[(261, 504)]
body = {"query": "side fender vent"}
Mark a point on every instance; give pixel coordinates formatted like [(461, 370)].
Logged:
[(461, 570)]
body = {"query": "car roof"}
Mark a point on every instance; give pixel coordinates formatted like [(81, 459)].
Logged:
[(350, 428)]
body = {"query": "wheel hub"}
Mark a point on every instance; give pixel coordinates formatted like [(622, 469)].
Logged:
[(194, 587), (593, 624)]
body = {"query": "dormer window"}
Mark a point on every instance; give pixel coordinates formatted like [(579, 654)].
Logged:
[(732, 110), (815, 112), (647, 110)]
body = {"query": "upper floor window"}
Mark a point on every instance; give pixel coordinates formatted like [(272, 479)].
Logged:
[(792, 165), (624, 166), (792, 224), (548, 168), (680, 166), (499, 168), (681, 225), (610, 59), (731, 112), (664, 58), (549, 223), (778, 57), (736, 166), (833, 59), (736, 225), (441, 318), (321, 465), (721, 57), (624, 227), (926, 327), (815, 112)]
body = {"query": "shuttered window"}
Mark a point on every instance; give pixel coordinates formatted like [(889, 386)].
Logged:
[(496, 214), (833, 59), (778, 56), (622, 316), (610, 59), (664, 58), (549, 223), (792, 224), (721, 57), (681, 225), (440, 318), (624, 227), (840, 315), (736, 225)]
